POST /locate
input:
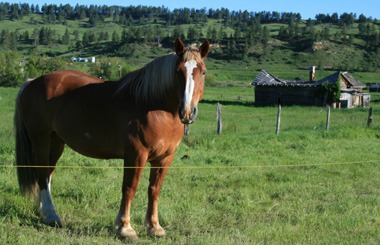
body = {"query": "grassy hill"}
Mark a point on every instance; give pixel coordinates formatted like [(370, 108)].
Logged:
[(277, 56)]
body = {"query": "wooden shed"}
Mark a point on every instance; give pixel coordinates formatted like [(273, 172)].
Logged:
[(374, 87), (269, 90)]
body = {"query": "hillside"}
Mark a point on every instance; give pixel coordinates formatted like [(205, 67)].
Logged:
[(125, 38)]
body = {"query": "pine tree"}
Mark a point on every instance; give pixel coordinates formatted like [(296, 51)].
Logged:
[(66, 37)]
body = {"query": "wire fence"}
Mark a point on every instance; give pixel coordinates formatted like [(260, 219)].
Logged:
[(376, 161)]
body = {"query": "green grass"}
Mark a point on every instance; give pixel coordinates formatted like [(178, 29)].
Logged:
[(247, 186)]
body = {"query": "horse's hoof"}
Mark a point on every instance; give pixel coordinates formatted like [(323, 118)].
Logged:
[(127, 233), (52, 220), (156, 232)]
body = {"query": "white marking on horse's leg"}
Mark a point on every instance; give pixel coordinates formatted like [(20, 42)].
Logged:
[(47, 209), (124, 230), (154, 229), (189, 91)]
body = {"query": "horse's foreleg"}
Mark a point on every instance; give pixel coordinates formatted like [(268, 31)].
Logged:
[(132, 174), (157, 175)]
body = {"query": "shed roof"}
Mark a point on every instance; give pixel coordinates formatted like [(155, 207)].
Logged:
[(354, 83), (331, 78), (264, 78)]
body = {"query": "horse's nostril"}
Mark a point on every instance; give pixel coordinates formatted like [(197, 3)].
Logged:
[(194, 112)]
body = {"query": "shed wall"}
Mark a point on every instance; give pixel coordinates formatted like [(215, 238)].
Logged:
[(269, 95)]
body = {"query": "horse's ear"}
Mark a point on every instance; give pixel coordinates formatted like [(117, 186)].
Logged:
[(204, 49), (179, 47)]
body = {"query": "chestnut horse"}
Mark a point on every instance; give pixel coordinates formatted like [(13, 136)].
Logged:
[(138, 118)]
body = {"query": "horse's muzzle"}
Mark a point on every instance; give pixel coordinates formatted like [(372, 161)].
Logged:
[(188, 116)]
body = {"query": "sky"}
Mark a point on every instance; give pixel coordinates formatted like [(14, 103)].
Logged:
[(307, 8)]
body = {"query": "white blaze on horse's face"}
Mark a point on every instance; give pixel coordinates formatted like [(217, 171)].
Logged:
[(189, 91), (188, 111)]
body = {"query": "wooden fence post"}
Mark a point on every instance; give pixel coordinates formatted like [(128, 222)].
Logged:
[(219, 118), (187, 131), (278, 119), (369, 120), (328, 118)]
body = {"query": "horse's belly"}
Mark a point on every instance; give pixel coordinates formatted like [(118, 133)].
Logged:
[(93, 145)]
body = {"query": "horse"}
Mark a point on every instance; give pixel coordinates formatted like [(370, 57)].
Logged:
[(139, 119)]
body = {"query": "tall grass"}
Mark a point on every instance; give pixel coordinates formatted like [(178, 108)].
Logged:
[(247, 186)]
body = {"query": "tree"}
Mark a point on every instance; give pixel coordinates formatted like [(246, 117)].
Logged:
[(237, 34), (265, 36), (362, 19), (85, 39), (325, 33), (192, 34), (232, 49), (124, 36), (35, 37), (158, 33), (78, 45), (25, 36), (15, 12), (76, 35), (372, 41), (104, 69), (283, 34), (10, 70), (91, 37), (9, 40), (66, 37), (49, 14), (212, 34), (344, 34), (222, 33), (178, 32), (115, 38), (94, 19), (38, 65), (106, 36), (347, 19), (46, 36), (330, 92), (334, 18)]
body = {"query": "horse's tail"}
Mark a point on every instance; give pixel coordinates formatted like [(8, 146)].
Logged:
[(27, 178)]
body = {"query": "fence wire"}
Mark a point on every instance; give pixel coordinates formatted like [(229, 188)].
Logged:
[(376, 161)]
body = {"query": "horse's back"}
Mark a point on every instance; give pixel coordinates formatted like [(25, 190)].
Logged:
[(59, 82), (32, 100)]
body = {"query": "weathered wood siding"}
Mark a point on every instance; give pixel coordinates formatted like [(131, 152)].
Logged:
[(269, 95)]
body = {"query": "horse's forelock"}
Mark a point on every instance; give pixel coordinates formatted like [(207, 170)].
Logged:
[(191, 53)]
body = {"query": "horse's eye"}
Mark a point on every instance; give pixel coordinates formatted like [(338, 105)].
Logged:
[(204, 73)]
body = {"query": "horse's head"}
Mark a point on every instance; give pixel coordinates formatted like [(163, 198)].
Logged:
[(192, 68)]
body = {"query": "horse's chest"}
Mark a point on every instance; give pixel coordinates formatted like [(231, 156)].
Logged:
[(163, 146), (162, 143)]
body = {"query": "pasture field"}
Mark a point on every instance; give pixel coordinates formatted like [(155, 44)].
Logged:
[(246, 186)]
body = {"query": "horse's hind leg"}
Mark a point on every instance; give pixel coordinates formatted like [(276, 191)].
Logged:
[(48, 152)]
